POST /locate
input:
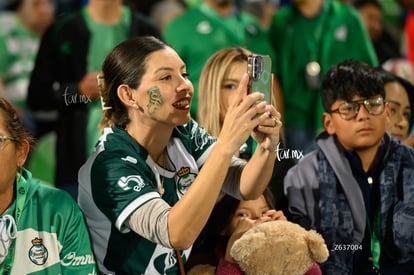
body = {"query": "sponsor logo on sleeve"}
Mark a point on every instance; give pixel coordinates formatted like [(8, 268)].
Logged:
[(133, 182)]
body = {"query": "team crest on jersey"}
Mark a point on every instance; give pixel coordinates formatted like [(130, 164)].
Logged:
[(185, 178), (38, 252)]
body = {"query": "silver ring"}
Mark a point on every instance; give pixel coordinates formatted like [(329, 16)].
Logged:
[(277, 122)]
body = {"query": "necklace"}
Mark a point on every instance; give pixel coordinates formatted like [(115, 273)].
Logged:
[(161, 187)]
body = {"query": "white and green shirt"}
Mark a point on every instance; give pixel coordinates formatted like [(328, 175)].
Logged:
[(18, 49), (51, 236), (120, 177)]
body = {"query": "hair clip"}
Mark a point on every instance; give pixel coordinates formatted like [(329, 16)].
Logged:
[(100, 80)]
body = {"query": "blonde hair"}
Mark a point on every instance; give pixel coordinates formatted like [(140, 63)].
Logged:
[(210, 85)]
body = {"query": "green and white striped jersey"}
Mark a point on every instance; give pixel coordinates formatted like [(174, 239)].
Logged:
[(52, 237), (118, 178)]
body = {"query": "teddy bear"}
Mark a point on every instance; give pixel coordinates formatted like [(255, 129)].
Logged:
[(278, 247)]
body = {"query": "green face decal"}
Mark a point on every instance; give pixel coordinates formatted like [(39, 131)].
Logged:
[(155, 100)]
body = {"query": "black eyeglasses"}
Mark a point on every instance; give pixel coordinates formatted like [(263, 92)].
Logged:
[(349, 110), (3, 140)]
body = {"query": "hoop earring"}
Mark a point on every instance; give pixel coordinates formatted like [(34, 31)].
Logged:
[(19, 173)]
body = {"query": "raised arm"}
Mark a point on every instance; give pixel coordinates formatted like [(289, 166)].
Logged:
[(189, 215)]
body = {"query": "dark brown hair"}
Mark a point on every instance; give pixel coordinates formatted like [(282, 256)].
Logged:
[(220, 218), (125, 64), (14, 124), (347, 79), (389, 77)]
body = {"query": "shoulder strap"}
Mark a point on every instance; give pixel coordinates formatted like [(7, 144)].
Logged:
[(342, 170)]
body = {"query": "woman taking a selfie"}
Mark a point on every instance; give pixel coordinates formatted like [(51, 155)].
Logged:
[(155, 175)]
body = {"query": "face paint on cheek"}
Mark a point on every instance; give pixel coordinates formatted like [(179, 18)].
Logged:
[(155, 100)]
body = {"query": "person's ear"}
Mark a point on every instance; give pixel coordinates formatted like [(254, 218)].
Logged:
[(126, 95), (327, 123), (22, 152)]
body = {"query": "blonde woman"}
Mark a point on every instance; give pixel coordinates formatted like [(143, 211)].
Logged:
[(218, 86)]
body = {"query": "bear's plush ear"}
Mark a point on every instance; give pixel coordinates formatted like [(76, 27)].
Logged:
[(317, 247)]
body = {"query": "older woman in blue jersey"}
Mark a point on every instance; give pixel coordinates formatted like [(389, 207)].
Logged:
[(42, 229), (155, 175)]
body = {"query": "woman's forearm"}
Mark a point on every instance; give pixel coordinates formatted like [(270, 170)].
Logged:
[(189, 215), (257, 173)]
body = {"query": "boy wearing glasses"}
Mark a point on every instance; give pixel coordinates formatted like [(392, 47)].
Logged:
[(357, 189)]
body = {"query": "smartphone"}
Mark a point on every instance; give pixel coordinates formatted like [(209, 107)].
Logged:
[(259, 68)]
